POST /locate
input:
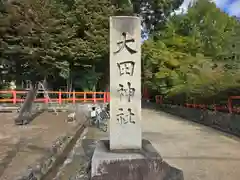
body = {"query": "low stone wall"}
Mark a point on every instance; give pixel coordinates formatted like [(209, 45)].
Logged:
[(225, 121), (38, 170)]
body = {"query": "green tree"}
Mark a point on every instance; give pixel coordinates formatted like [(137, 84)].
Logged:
[(230, 55), (154, 13), (215, 26), (51, 38), (90, 21), (182, 60), (28, 33)]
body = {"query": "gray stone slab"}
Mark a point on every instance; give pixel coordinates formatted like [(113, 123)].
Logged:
[(27, 110), (144, 164), (125, 82)]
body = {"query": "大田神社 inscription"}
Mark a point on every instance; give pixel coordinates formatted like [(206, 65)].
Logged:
[(126, 67), (124, 44), (125, 117), (125, 82), (128, 91)]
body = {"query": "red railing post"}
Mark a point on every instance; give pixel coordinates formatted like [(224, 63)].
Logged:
[(109, 97), (230, 105), (215, 107), (194, 105), (159, 99), (60, 97), (74, 97), (45, 100), (14, 93), (84, 97), (104, 97), (156, 99)]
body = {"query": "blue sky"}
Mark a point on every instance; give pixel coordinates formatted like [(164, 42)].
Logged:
[(232, 7)]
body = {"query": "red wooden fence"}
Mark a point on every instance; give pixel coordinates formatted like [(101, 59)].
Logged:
[(76, 97), (229, 106), (73, 97)]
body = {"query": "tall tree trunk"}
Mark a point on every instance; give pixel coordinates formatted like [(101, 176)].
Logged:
[(94, 86), (70, 79)]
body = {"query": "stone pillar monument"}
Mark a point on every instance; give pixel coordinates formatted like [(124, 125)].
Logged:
[(126, 156), (125, 83)]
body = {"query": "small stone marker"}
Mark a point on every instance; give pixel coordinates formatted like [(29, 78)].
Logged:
[(125, 83)]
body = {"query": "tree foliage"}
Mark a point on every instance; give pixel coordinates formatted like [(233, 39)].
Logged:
[(154, 13), (28, 38), (190, 56), (48, 38)]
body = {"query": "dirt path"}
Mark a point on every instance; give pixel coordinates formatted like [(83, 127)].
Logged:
[(21, 146), (201, 152)]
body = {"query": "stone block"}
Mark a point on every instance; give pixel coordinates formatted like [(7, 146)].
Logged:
[(125, 82), (144, 164)]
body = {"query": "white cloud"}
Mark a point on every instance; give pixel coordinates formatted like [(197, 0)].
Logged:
[(232, 9), (184, 6)]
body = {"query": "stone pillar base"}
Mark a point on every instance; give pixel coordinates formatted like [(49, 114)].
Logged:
[(145, 164)]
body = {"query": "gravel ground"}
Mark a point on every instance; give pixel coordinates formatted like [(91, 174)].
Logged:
[(201, 152), (23, 146)]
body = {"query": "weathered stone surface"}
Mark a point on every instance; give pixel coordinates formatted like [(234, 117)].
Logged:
[(28, 152), (27, 112), (144, 164), (125, 82)]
